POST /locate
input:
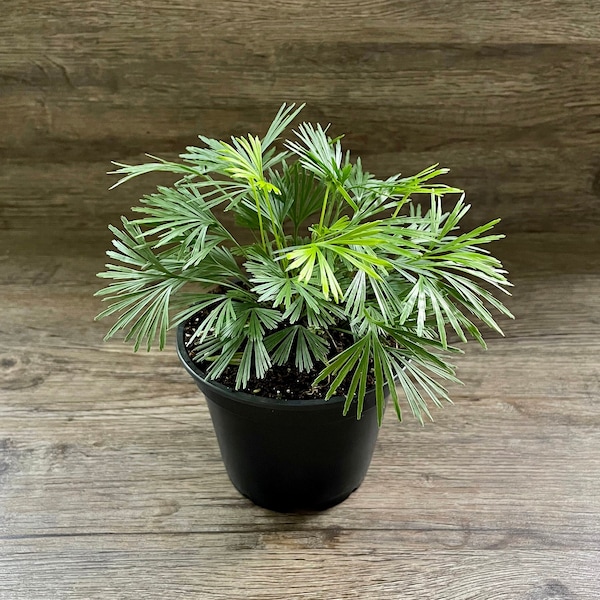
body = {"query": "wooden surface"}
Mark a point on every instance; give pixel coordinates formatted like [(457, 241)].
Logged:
[(506, 95), (111, 484)]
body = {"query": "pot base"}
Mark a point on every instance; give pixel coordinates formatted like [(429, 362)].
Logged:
[(292, 508)]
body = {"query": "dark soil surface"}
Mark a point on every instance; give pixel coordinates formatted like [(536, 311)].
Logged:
[(283, 381)]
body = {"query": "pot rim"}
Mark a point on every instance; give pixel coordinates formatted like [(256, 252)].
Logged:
[(263, 401)]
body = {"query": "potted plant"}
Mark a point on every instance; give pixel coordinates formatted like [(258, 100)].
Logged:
[(343, 291)]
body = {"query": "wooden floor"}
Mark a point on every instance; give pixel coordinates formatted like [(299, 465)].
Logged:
[(111, 484)]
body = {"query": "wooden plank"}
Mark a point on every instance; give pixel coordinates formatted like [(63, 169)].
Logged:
[(58, 201), (510, 21), (271, 566), (390, 97)]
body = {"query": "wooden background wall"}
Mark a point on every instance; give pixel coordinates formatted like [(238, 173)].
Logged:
[(505, 93)]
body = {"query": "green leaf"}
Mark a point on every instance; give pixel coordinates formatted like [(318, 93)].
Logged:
[(300, 193), (255, 360), (308, 347), (131, 171), (285, 115)]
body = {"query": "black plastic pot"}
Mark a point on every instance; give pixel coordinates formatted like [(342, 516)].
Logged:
[(288, 455)]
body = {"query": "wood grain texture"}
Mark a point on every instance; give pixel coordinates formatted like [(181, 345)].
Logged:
[(505, 96), (111, 483)]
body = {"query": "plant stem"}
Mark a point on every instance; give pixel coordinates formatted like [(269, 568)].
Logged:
[(258, 212), (278, 240), (399, 205), (324, 207)]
